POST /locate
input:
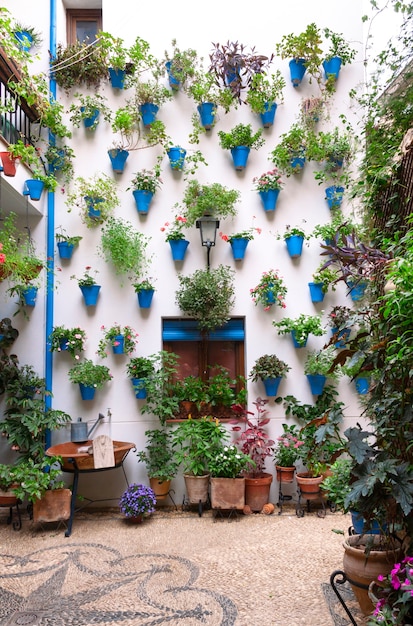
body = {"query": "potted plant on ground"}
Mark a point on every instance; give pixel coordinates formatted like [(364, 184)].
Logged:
[(95, 197), (270, 370), (318, 366), (208, 296), (123, 340), (336, 485), (89, 376), (124, 247), (300, 328), (265, 93), (137, 502), (160, 461), (270, 290), (240, 140), (286, 453), (139, 369), (88, 109), (305, 53), (227, 482), (71, 340), (255, 442), (211, 199), (269, 185)]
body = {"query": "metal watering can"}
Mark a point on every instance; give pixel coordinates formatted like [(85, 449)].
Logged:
[(79, 432)]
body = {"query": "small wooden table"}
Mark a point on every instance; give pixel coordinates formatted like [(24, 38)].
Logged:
[(77, 458)]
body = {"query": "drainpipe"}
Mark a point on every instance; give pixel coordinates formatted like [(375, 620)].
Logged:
[(50, 242)]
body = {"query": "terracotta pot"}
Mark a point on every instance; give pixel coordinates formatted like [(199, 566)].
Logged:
[(7, 498), (53, 506), (9, 163), (160, 487), (285, 474), (257, 491), (309, 485), (362, 569), (228, 493), (197, 488)]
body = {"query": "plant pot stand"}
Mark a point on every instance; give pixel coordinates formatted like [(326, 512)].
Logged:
[(11, 505), (309, 492), (338, 577)]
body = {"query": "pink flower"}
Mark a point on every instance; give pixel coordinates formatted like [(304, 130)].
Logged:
[(2, 258)]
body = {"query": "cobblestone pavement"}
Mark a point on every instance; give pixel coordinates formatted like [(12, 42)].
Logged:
[(175, 568)]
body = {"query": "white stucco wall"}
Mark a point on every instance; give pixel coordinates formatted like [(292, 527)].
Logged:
[(301, 199)]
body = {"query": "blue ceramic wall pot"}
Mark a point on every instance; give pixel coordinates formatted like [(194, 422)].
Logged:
[(362, 385), (145, 298), (207, 112), (138, 385), (317, 383), (316, 292), (118, 344), (88, 122), (269, 199), (90, 294), (294, 245), (29, 295), (93, 207), (267, 118), (174, 83), (332, 67), (33, 188), (117, 78), (148, 112), (357, 290), (240, 157), (334, 196), (239, 246), (271, 385), (65, 249), (176, 157), (86, 392), (143, 199), (342, 336), (296, 343), (118, 159), (24, 39), (297, 71), (178, 248)]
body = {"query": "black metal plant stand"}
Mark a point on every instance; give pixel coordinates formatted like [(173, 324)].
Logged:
[(16, 524), (339, 577)]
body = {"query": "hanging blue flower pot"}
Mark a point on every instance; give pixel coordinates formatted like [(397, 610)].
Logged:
[(297, 162), (143, 199), (138, 385), (24, 39), (145, 298), (148, 112), (296, 343), (269, 199), (176, 157), (33, 188), (87, 392), (93, 207), (207, 112), (65, 249), (334, 196), (118, 159), (357, 290), (332, 67), (316, 292), (64, 344), (90, 294), (29, 295), (362, 385), (297, 71), (174, 83), (341, 335), (178, 248), (317, 383), (118, 344), (294, 245), (270, 298), (117, 78), (267, 118), (238, 246), (88, 122), (240, 157), (271, 385)]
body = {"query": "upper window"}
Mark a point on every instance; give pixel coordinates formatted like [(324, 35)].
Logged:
[(83, 24)]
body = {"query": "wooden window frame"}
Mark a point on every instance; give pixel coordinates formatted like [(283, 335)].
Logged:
[(84, 15)]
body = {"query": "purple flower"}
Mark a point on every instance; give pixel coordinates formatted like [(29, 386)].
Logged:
[(137, 500)]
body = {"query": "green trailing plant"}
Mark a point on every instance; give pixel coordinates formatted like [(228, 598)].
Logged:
[(241, 135), (212, 199), (265, 90), (60, 159), (195, 442), (124, 247), (100, 191), (73, 339), (292, 145), (332, 147), (151, 92), (140, 367), (110, 336), (268, 366), (336, 485), (306, 46), (270, 290), (326, 277), (208, 296), (31, 479), (86, 106), (181, 63), (159, 384), (302, 326), (90, 374), (322, 362), (80, 63), (158, 455), (338, 47)]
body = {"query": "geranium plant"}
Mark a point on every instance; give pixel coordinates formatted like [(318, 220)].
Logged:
[(137, 501), (146, 283), (147, 180), (174, 229), (339, 316), (288, 444), (228, 462), (110, 335), (243, 234), (268, 180), (71, 340), (270, 290), (87, 280)]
